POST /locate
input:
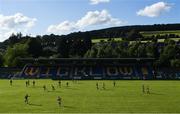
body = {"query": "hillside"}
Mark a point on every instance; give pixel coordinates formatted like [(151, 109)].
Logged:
[(118, 42), (116, 32)]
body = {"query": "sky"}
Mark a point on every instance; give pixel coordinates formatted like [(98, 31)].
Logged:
[(39, 17)]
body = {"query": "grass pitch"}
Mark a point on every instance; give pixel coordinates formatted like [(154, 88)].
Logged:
[(83, 96)]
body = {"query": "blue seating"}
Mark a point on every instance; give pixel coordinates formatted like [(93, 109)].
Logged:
[(89, 72)]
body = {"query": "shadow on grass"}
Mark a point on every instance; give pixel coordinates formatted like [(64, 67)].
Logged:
[(32, 104), (153, 93), (69, 107), (71, 88), (105, 89), (34, 87), (78, 83), (54, 91)]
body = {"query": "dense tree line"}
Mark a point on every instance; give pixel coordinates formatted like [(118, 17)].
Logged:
[(114, 32), (78, 45), (166, 54)]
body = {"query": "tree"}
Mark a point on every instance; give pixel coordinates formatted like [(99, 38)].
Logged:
[(87, 41), (34, 47), (13, 39), (133, 49), (91, 53), (101, 53), (13, 53), (168, 54), (63, 47), (77, 48), (175, 63), (1, 59), (133, 35), (152, 49), (142, 50), (109, 51)]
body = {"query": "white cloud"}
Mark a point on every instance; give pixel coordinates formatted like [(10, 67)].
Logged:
[(97, 18), (95, 2), (92, 18), (14, 23), (61, 28), (154, 10)]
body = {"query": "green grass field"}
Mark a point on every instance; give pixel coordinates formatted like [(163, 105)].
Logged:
[(145, 34), (162, 40), (82, 97), (105, 40), (150, 33)]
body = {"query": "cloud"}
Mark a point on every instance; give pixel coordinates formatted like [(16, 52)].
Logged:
[(95, 2), (154, 10), (14, 23), (61, 28), (97, 18), (92, 18)]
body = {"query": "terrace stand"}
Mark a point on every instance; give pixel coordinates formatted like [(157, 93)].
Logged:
[(88, 68)]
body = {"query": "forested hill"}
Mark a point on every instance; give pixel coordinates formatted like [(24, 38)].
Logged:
[(116, 32), (80, 45), (125, 32)]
